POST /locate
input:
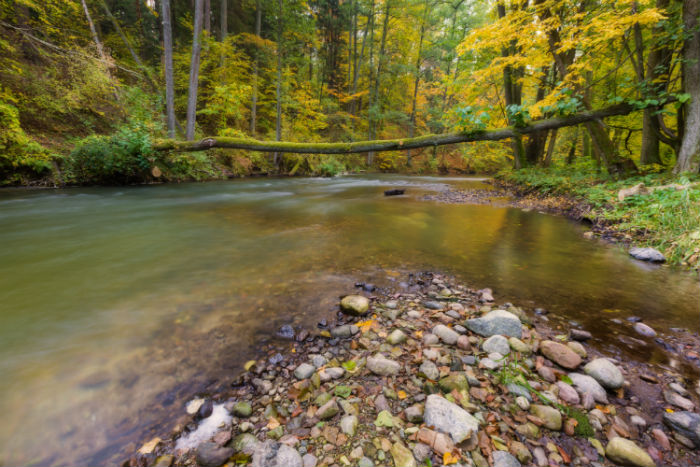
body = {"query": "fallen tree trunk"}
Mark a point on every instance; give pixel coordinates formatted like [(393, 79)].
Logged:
[(392, 144)]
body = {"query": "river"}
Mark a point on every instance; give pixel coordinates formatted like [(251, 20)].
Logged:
[(120, 304)]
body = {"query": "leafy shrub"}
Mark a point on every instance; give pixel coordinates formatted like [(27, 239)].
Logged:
[(330, 167)]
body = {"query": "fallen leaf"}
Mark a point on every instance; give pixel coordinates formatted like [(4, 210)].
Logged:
[(448, 458)]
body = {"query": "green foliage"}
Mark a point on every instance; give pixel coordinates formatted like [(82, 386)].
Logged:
[(471, 119), (343, 391), (518, 115), (330, 167)]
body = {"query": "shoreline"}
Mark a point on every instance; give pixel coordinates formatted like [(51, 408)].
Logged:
[(327, 398)]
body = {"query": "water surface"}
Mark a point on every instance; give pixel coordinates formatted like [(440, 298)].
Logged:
[(119, 304)]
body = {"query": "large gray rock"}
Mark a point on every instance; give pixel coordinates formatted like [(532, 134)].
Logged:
[(496, 322), (380, 365), (625, 452), (496, 343), (504, 459), (354, 305), (305, 370), (274, 454), (685, 423), (212, 455), (450, 418), (584, 384), (605, 372), (647, 254), (447, 335)]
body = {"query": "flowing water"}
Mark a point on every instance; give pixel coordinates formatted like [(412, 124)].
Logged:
[(120, 304)]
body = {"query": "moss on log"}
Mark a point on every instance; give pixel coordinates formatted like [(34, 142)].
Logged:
[(392, 144)]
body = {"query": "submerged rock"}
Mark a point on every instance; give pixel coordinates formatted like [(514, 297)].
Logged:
[(450, 418), (647, 254), (354, 305), (496, 322), (644, 330)]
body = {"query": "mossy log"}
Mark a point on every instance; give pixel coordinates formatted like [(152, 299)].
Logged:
[(392, 144)]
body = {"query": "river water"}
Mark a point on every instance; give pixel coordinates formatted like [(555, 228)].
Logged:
[(120, 304)]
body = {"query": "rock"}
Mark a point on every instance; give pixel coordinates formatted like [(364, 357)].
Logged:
[(206, 409), (449, 418), (328, 374), (391, 304), (463, 343), (519, 391), (354, 305), (384, 418), (624, 452), (644, 330), (433, 305), (421, 452), (429, 370), (345, 331), (519, 346), (504, 459), (647, 254), (430, 339), (586, 385), (396, 337), (661, 438), (540, 457), (549, 415), (318, 360), (522, 402), (438, 442), (262, 386), (328, 410), (567, 393), (149, 446), (242, 409), (365, 462), (380, 365), (274, 454), (579, 334), (348, 425), (496, 343), (309, 460), (454, 381), (447, 335), (560, 354), (212, 455), (305, 370), (605, 372), (679, 389), (414, 413), (496, 322), (636, 420), (286, 332), (381, 404), (528, 430), (402, 455), (578, 348), (245, 443), (193, 406), (685, 423), (678, 400)]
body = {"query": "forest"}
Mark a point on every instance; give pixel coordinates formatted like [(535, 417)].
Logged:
[(91, 90)]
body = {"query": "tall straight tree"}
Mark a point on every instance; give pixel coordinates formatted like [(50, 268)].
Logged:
[(278, 120), (194, 69), (168, 57), (373, 113), (416, 82), (689, 154), (256, 66)]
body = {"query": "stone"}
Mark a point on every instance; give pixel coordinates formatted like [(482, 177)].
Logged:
[(454, 381), (414, 413), (578, 348), (522, 402), (430, 339), (365, 462), (421, 452), (521, 452), (309, 460), (496, 343), (685, 423), (212, 455), (519, 391), (380, 365), (149, 446), (242, 409), (504, 459), (624, 452), (328, 374), (286, 332), (463, 343), (584, 384), (496, 322), (579, 334), (647, 254), (450, 418), (328, 410), (193, 406), (305, 370), (676, 399), (605, 372), (274, 454), (245, 443), (540, 457), (636, 420), (384, 418), (402, 455), (391, 304), (429, 370), (644, 330), (560, 354), (348, 424), (549, 415), (354, 305), (519, 346), (396, 337), (567, 393), (661, 438), (433, 305), (447, 335), (344, 331)]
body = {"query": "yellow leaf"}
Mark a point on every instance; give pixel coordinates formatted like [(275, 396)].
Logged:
[(669, 410), (402, 395), (449, 458)]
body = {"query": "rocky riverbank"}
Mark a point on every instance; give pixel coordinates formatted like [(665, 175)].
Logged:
[(438, 375)]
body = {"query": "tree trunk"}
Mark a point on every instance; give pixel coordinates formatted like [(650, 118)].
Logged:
[(224, 20), (689, 154), (550, 148), (95, 37), (356, 66), (194, 70), (370, 101), (256, 66), (377, 78), (572, 150), (169, 82), (207, 16), (416, 82), (278, 122)]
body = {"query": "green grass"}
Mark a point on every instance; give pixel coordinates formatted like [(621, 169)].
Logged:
[(668, 220)]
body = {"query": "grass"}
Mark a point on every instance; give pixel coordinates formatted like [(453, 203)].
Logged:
[(668, 220)]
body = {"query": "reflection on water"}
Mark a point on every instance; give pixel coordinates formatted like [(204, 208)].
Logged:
[(118, 304)]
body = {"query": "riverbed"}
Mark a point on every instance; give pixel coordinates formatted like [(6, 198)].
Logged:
[(120, 304)]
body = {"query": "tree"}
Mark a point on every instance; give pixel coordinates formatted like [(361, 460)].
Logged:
[(194, 70), (689, 154), (168, 67)]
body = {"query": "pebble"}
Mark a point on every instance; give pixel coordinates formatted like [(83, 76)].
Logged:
[(579, 334), (496, 343), (396, 337), (605, 372), (354, 305), (304, 371), (549, 415), (212, 455), (496, 322), (348, 424), (273, 454), (449, 418), (560, 354), (429, 370), (522, 402), (504, 459), (380, 365), (447, 335), (644, 330)]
